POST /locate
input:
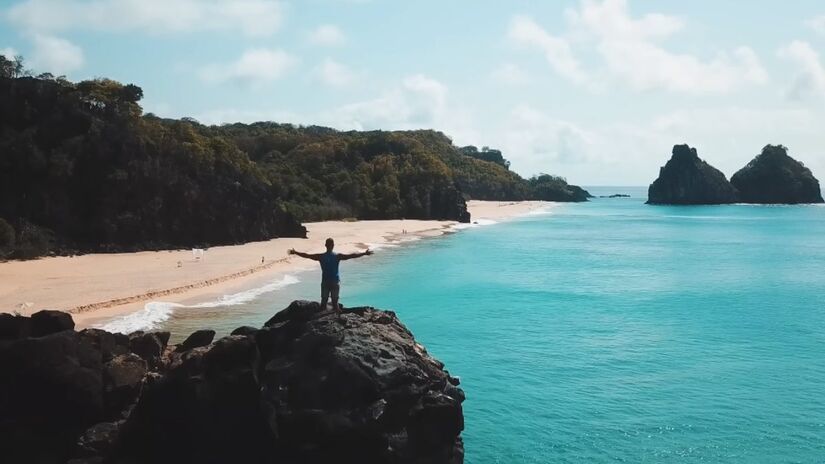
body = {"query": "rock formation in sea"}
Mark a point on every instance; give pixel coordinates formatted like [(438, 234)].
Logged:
[(688, 180), (775, 177), (309, 386)]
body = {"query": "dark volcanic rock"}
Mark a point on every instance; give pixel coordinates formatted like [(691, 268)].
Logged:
[(310, 386), (47, 322), (149, 346), (51, 390), (102, 341), (13, 327), (122, 382), (687, 180), (245, 330), (100, 439), (356, 387), (775, 177), (197, 339), (205, 409)]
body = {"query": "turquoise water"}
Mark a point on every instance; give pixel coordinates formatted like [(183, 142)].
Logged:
[(613, 331)]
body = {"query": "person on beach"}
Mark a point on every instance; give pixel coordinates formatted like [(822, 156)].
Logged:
[(330, 280)]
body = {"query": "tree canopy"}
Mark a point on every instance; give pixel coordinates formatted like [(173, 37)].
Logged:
[(83, 169)]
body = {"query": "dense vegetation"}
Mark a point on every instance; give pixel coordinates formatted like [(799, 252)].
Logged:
[(328, 174), (81, 168)]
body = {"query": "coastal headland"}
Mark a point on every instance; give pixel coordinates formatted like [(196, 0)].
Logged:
[(101, 286), (310, 385)]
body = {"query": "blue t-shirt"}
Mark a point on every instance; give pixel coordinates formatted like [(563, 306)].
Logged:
[(329, 267)]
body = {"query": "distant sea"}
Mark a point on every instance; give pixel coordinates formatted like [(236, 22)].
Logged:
[(609, 331)]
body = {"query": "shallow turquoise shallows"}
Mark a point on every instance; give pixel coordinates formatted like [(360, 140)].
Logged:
[(613, 331)]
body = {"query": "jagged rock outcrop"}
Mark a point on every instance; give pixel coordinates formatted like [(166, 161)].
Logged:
[(688, 180), (775, 177), (309, 386), (197, 339)]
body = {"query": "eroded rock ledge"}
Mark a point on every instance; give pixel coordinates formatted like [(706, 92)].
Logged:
[(309, 386)]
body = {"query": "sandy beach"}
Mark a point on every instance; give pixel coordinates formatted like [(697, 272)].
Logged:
[(97, 287)]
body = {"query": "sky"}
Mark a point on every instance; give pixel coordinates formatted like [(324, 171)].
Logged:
[(597, 91)]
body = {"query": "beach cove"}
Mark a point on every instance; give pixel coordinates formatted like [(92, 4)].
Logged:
[(609, 330), (96, 288)]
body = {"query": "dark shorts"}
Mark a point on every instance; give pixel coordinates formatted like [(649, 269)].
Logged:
[(330, 288)]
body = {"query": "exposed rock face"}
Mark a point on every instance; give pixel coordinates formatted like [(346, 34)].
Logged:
[(48, 322), (197, 339), (688, 180), (775, 177), (245, 330), (358, 388), (309, 386)]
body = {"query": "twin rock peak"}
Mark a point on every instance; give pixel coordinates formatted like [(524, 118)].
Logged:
[(772, 177)]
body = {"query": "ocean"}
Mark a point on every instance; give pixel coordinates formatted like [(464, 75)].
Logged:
[(609, 331)]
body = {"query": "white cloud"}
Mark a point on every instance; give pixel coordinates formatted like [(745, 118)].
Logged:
[(335, 74), (232, 115), (611, 19), (8, 52), (810, 79), (556, 50), (55, 55), (625, 153), (537, 142), (817, 24), (418, 102), (255, 66), (631, 52), (327, 35), (632, 151), (248, 17), (510, 74)]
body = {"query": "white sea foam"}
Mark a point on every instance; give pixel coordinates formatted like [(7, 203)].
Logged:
[(539, 212), (378, 246), (156, 312), (407, 238), (248, 295), (153, 313), (475, 223)]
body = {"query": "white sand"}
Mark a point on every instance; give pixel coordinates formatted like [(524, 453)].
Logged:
[(96, 287)]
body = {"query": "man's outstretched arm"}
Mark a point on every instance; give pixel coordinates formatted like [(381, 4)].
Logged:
[(344, 257), (315, 257)]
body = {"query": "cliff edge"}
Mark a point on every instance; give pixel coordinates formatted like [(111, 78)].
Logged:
[(309, 386)]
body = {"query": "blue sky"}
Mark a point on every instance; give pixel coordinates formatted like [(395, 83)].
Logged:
[(595, 90)]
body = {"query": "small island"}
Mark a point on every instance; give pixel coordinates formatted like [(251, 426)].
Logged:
[(688, 180), (773, 177)]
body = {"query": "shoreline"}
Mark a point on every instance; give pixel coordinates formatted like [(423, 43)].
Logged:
[(96, 288)]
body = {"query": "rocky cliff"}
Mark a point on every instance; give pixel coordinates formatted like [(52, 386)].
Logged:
[(309, 386), (775, 177), (688, 180)]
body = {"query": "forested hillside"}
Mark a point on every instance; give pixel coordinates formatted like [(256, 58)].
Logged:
[(83, 169)]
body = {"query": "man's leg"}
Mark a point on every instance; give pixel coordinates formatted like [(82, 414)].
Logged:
[(324, 295), (335, 289)]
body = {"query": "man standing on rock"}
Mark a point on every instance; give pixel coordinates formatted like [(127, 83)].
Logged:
[(330, 281)]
